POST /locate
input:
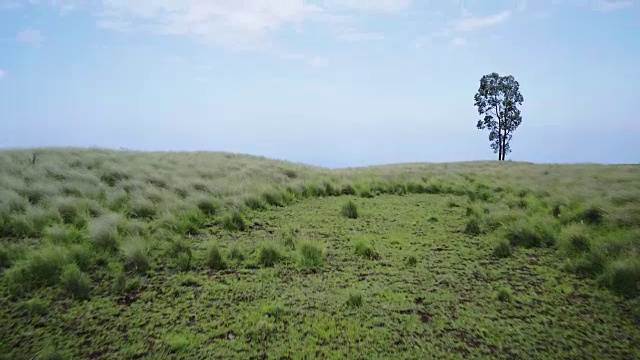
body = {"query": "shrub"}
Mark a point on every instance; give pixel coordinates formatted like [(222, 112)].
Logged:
[(311, 255), (142, 208), (472, 227), (350, 210), (233, 222), (74, 282), (412, 261), (64, 234), (592, 215), (215, 260), (504, 294), (136, 256), (269, 255), (365, 249), (208, 205), (354, 300), (623, 276), (501, 249), (103, 232)]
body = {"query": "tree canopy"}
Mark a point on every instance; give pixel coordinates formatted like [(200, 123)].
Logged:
[(497, 100)]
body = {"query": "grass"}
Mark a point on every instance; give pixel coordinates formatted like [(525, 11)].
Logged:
[(215, 259), (501, 249), (103, 232), (350, 210), (365, 249), (354, 300), (270, 255), (136, 255), (233, 221), (553, 256), (75, 283), (311, 255)]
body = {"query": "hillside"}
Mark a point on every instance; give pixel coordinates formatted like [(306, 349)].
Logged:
[(116, 254)]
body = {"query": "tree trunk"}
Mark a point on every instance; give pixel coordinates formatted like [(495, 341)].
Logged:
[(500, 137)]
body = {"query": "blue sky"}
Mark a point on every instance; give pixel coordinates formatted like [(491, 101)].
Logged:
[(333, 83)]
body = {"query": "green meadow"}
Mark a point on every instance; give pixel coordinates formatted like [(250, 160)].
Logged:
[(146, 255)]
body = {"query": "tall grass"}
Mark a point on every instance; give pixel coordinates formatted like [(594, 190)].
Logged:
[(65, 200)]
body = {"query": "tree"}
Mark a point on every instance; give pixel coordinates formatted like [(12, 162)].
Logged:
[(497, 100)]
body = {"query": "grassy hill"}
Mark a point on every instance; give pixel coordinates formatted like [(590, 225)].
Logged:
[(116, 254)]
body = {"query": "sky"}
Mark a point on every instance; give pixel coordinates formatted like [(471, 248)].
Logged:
[(334, 83)]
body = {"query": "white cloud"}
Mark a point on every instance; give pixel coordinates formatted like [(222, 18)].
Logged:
[(473, 23), (613, 5), (464, 25), (2, 73), (458, 41), (233, 23), (30, 36)]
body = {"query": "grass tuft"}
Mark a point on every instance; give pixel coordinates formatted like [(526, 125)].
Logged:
[(270, 255), (365, 249), (501, 249), (103, 232), (593, 215), (350, 210), (75, 283), (136, 255), (354, 300), (215, 259), (531, 233), (311, 255), (504, 294), (472, 227), (623, 276), (208, 205), (412, 261), (233, 221), (237, 254)]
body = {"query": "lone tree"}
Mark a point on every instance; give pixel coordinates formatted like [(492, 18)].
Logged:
[(497, 99)]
